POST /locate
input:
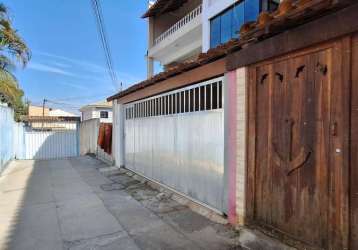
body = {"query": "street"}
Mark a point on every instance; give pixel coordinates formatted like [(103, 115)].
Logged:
[(81, 203)]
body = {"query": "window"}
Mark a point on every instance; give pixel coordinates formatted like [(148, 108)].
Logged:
[(238, 19), (226, 25), (103, 114), (270, 5), (252, 10), (215, 28)]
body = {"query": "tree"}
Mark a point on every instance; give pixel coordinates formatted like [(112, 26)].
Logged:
[(12, 49)]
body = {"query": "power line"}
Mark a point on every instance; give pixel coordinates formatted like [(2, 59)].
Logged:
[(83, 97), (103, 37)]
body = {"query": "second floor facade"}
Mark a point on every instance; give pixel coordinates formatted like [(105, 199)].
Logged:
[(179, 30)]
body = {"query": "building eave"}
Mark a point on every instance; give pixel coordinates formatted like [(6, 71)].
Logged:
[(163, 6)]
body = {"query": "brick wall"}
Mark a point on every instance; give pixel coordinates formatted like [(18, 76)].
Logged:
[(241, 144)]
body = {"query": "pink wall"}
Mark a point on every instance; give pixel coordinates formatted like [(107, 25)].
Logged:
[(231, 147)]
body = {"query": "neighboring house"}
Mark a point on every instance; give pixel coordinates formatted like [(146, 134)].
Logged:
[(60, 112), (44, 118), (180, 30), (40, 111), (52, 123), (100, 110)]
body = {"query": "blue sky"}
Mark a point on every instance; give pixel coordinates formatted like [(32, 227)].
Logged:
[(68, 63)]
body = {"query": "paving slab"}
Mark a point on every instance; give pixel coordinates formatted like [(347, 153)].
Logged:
[(36, 229), (81, 203), (85, 218)]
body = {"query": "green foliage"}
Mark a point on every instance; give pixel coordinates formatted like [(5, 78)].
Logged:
[(10, 93), (12, 49)]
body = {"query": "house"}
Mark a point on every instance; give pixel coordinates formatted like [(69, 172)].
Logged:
[(180, 30), (262, 128), (45, 118), (99, 110), (52, 123)]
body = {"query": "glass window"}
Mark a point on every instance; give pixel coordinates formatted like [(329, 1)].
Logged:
[(215, 32), (237, 19), (252, 10), (226, 26), (269, 5)]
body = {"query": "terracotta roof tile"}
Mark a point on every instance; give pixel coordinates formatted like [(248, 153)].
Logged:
[(289, 14)]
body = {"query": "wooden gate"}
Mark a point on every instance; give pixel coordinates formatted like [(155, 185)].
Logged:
[(297, 176)]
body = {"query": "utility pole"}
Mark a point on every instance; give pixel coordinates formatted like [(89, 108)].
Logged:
[(43, 112)]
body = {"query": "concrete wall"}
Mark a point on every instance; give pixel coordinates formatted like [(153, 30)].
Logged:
[(89, 136), (11, 137), (118, 134)]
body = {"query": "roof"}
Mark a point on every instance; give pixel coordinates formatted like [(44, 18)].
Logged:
[(100, 104), (51, 119), (163, 6), (288, 15)]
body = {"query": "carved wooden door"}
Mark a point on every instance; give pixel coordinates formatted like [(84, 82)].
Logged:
[(292, 150)]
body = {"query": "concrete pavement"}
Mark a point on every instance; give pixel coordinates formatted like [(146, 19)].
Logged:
[(77, 204)]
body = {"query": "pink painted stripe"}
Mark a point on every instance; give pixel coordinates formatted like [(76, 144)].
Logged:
[(231, 85)]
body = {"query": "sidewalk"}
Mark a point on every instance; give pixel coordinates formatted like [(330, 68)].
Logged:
[(78, 204)]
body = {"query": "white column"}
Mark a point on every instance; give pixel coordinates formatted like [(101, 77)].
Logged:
[(118, 134)]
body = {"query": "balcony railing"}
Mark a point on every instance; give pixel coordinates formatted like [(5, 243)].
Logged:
[(182, 22)]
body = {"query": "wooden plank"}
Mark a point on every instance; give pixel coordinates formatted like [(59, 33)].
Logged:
[(339, 146), (321, 30), (262, 180), (251, 146), (354, 148)]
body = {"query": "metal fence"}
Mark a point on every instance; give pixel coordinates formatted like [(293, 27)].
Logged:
[(16, 142), (42, 145)]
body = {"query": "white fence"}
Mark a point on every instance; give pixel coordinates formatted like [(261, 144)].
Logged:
[(51, 145), (89, 131), (89, 136)]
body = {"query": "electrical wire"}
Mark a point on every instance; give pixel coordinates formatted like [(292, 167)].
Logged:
[(104, 41)]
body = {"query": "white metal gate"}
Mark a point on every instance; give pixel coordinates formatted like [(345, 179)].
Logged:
[(40, 145), (177, 138)]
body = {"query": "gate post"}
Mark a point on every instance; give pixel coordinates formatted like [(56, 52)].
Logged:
[(118, 134)]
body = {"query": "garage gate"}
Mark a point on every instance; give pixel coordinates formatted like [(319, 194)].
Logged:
[(177, 139), (42, 145)]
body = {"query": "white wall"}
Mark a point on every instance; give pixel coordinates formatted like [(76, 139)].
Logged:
[(89, 130), (118, 134), (87, 114), (94, 113), (210, 9)]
